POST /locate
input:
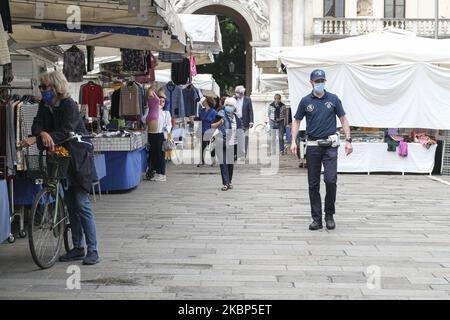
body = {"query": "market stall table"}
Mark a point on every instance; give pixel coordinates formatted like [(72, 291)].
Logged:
[(374, 157), (125, 159), (25, 191), (124, 169)]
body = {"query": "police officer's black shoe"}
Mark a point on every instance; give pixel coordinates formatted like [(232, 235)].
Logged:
[(329, 220), (316, 225)]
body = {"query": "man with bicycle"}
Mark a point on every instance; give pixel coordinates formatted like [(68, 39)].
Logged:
[(58, 117)]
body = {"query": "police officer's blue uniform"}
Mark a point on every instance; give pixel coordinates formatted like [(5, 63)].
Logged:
[(320, 116)]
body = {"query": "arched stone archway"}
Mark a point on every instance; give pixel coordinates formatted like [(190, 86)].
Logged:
[(250, 15)]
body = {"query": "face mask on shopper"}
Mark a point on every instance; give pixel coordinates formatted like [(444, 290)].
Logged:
[(229, 109), (319, 87), (47, 96)]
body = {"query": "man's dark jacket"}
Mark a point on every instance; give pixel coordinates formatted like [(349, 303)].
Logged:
[(247, 112), (59, 123)]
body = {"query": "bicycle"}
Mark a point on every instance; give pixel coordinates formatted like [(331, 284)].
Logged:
[(48, 223)]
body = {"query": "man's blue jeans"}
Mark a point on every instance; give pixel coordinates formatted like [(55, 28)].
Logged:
[(277, 130), (81, 218)]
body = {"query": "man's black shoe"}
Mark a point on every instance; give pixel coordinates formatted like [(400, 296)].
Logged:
[(73, 255), (331, 225), (91, 258), (315, 226)]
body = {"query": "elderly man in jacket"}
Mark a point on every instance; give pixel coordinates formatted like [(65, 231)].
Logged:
[(244, 111)]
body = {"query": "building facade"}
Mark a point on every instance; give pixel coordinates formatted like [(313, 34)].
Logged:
[(285, 23)]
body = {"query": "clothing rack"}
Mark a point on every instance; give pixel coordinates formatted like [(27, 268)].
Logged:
[(11, 181)]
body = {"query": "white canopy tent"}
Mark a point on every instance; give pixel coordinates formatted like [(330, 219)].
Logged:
[(273, 83), (204, 31), (385, 80)]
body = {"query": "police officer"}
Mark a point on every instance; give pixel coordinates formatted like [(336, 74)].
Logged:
[(320, 109)]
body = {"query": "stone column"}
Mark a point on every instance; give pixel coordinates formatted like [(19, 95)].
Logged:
[(276, 23), (298, 23)]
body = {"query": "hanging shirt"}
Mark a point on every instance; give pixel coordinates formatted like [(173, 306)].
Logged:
[(115, 104), (130, 100), (74, 64), (190, 97), (92, 96), (181, 72), (150, 74), (193, 64), (175, 100), (134, 60)]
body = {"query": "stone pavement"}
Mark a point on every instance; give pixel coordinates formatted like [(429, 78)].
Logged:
[(185, 239)]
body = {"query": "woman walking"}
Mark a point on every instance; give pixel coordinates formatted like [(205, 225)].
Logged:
[(207, 115), (229, 125)]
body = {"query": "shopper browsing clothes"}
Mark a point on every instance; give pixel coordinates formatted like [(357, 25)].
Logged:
[(320, 109), (156, 137), (151, 119), (207, 115), (277, 115), (229, 125), (57, 117)]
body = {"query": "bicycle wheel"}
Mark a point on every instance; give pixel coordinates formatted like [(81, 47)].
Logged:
[(46, 228)]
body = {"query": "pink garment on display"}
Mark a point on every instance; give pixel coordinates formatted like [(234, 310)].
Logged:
[(153, 108), (403, 149), (193, 66)]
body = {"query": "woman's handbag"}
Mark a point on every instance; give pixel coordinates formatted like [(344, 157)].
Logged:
[(168, 145)]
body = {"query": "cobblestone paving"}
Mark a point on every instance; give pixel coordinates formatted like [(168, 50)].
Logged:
[(185, 239)]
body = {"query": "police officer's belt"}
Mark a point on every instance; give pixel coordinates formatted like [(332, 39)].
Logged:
[(319, 143), (332, 141)]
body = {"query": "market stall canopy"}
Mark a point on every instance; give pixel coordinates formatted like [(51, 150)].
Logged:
[(104, 23), (273, 83), (267, 57), (385, 80), (384, 48), (204, 31)]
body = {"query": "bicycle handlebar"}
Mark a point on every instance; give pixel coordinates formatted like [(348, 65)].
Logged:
[(78, 137)]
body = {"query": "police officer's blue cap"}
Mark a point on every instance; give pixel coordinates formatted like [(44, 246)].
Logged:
[(318, 74)]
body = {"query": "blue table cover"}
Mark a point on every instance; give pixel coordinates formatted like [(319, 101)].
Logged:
[(25, 191), (124, 169), (100, 166), (5, 213)]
